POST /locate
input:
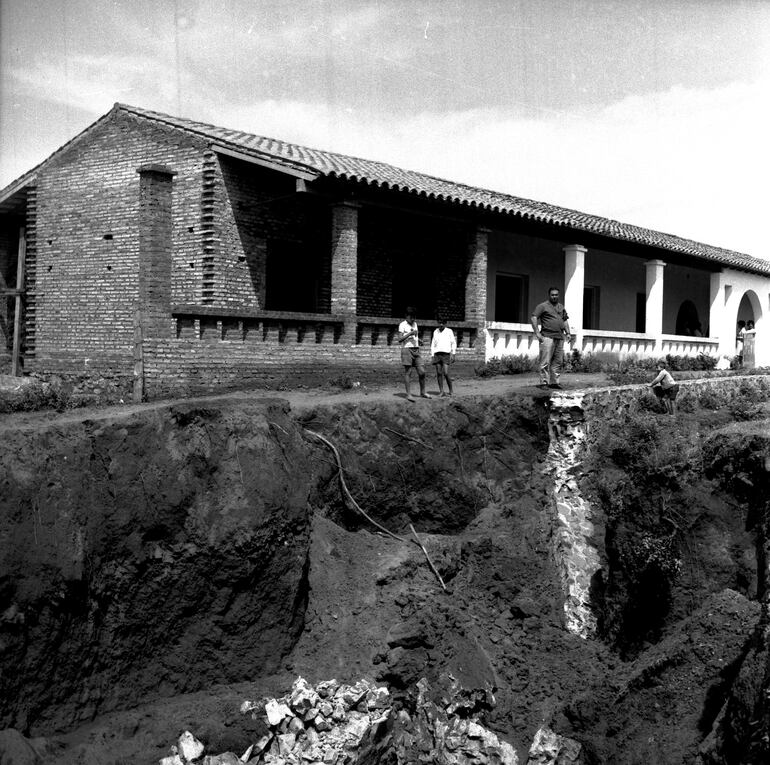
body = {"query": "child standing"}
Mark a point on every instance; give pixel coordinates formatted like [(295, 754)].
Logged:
[(443, 346), (664, 387), (409, 337)]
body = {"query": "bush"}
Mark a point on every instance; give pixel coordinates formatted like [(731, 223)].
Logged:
[(743, 410), (712, 399), (507, 365), (34, 397), (345, 382), (589, 363), (701, 362), (632, 371)]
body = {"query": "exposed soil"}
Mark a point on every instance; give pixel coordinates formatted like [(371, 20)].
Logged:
[(162, 562)]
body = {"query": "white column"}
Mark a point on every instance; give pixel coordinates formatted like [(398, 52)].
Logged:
[(574, 286), (718, 323), (653, 323)]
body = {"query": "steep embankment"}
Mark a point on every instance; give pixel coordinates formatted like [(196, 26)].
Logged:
[(178, 548)]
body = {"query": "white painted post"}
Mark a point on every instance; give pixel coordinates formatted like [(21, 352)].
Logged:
[(574, 286), (654, 305), (718, 326)]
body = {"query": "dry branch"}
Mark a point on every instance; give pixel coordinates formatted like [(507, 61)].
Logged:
[(409, 438)]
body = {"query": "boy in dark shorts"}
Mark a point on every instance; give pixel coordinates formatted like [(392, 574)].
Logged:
[(664, 387), (443, 347), (409, 339)]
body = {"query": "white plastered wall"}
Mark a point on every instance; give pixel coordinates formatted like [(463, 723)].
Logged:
[(540, 259), (727, 291)]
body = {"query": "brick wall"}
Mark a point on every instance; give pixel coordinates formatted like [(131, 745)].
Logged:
[(185, 366), (86, 222), (155, 233)]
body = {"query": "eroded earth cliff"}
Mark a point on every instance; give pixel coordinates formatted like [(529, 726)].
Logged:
[(159, 566)]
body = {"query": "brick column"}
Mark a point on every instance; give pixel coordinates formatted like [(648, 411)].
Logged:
[(574, 286), (476, 288), (654, 306), (155, 250), (345, 265)]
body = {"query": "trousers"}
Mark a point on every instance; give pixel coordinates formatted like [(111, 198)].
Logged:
[(551, 359)]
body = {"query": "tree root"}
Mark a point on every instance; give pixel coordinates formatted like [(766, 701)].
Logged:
[(427, 557), (349, 496)]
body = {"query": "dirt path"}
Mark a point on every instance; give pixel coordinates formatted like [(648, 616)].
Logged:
[(303, 398)]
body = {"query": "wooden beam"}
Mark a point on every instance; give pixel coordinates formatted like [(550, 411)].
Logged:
[(15, 366)]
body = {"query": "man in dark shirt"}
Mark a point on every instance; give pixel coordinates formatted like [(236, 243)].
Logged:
[(551, 325)]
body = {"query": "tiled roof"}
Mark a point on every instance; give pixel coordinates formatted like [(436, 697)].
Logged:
[(379, 174)]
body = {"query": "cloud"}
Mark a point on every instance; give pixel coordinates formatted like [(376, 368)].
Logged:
[(688, 162)]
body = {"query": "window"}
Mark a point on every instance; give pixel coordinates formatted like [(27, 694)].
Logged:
[(590, 307), (511, 297), (291, 278), (641, 312)]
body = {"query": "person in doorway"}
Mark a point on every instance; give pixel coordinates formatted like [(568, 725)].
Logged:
[(739, 341), (443, 347), (665, 387), (551, 325), (409, 339)]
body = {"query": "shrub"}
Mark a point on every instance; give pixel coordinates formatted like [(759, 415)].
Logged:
[(743, 410), (35, 397), (701, 362), (631, 373), (588, 363), (712, 399), (345, 382), (507, 365), (686, 401)]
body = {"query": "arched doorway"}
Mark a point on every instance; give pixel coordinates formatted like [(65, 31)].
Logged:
[(747, 322), (687, 321)]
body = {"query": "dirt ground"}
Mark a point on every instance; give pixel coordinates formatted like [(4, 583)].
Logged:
[(165, 561)]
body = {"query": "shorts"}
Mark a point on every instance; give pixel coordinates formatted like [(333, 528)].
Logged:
[(410, 357), (441, 357), (666, 392)]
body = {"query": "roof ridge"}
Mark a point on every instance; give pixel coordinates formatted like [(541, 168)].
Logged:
[(386, 175)]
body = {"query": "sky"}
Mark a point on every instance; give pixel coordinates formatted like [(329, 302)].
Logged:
[(652, 112)]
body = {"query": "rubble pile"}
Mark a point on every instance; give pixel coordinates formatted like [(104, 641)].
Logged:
[(549, 748), (323, 725), (444, 733), (338, 724)]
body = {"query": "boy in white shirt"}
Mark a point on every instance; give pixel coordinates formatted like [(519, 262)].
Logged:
[(443, 346)]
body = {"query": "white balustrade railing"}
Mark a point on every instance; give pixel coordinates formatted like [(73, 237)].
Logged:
[(511, 339)]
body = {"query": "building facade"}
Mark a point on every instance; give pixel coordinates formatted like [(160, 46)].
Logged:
[(175, 257)]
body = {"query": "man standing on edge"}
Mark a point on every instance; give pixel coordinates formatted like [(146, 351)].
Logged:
[(551, 325), (409, 338)]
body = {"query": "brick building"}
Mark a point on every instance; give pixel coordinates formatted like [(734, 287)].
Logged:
[(170, 256)]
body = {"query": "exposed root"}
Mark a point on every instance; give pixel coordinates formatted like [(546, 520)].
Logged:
[(427, 557), (346, 491), (408, 438), (371, 520)]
